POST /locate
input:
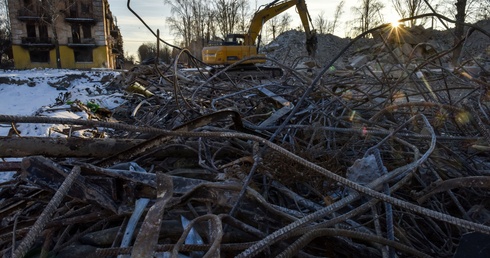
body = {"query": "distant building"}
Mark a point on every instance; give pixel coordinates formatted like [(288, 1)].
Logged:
[(82, 33)]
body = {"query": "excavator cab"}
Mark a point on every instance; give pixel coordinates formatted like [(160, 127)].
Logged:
[(231, 50), (234, 40)]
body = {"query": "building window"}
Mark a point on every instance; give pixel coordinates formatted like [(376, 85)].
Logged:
[(37, 32), (31, 30), (43, 32), (28, 3), (83, 55), (39, 56), (80, 9), (75, 33), (80, 31), (87, 31), (73, 8), (86, 7)]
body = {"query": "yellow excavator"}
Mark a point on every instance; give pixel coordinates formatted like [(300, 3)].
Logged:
[(237, 47)]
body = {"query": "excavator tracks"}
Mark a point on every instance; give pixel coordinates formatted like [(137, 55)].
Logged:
[(249, 71)]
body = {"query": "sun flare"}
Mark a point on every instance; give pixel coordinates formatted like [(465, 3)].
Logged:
[(394, 23)]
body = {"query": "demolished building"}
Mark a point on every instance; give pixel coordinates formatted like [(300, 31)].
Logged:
[(77, 34)]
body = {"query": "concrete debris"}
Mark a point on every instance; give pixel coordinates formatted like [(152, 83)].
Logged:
[(289, 48), (364, 171), (392, 53), (357, 62)]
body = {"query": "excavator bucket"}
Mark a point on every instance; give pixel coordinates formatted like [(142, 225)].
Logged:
[(311, 44)]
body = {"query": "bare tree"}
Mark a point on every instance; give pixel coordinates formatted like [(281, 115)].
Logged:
[(321, 23), (410, 8), (279, 24), (211, 28), (484, 11), (200, 25), (181, 21), (199, 13), (464, 11), (4, 20), (477, 10), (5, 32), (195, 22), (147, 52), (52, 10), (271, 26), (244, 14), (367, 15), (324, 26), (285, 23), (339, 10), (227, 15)]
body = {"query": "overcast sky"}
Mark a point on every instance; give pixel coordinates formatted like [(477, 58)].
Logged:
[(154, 13)]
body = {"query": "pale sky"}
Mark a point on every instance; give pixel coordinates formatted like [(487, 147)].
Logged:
[(154, 13)]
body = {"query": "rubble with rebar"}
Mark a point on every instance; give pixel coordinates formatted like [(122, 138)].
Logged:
[(385, 156)]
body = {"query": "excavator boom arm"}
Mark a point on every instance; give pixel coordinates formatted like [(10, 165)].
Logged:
[(275, 8)]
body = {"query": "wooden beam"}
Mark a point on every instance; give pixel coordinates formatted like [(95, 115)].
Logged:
[(63, 147)]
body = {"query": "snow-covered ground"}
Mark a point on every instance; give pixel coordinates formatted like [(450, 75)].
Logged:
[(51, 92)]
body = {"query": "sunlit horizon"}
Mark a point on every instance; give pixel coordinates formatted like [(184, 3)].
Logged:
[(135, 34)]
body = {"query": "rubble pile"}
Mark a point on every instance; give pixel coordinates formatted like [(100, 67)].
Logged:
[(289, 48), (344, 162), (399, 53), (390, 53), (476, 45)]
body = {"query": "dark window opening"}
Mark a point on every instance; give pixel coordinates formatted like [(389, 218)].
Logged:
[(87, 31), (83, 55), (75, 33), (80, 9), (40, 56), (31, 8), (28, 3), (85, 8), (43, 32), (73, 8), (31, 30)]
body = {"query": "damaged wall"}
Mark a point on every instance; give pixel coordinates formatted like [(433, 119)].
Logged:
[(85, 33)]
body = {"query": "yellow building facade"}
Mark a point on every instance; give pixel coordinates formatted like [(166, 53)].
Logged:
[(72, 34)]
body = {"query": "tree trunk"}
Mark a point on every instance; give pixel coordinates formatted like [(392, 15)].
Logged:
[(459, 30), (57, 47), (56, 44)]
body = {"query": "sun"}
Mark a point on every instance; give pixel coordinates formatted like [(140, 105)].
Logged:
[(395, 23)]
